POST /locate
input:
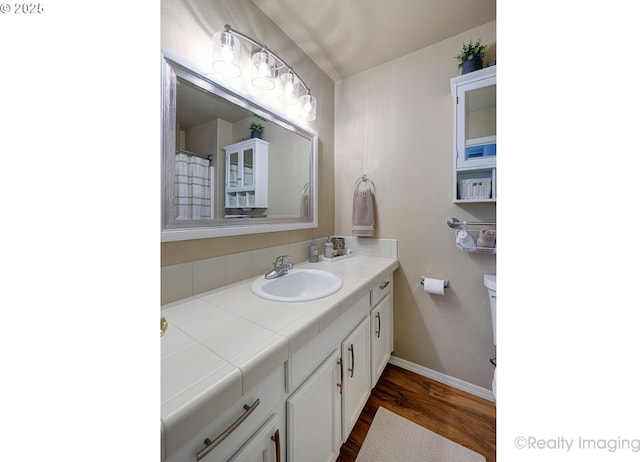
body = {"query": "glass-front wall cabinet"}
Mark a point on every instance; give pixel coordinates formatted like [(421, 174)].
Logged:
[(247, 187), (474, 97)]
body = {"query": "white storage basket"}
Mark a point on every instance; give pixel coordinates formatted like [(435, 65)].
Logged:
[(475, 188)]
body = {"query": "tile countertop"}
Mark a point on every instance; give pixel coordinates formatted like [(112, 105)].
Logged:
[(220, 344)]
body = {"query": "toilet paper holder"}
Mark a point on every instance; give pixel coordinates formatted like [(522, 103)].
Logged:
[(446, 281)]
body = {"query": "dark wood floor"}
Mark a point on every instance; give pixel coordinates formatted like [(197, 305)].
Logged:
[(462, 417)]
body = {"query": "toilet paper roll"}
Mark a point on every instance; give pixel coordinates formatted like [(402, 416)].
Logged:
[(434, 286)]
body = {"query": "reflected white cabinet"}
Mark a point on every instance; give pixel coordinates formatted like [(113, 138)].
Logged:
[(313, 415), (246, 174), (474, 172)]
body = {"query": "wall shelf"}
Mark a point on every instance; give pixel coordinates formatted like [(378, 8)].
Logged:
[(474, 137)]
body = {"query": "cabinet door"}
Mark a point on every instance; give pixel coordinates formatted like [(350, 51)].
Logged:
[(233, 171), (266, 445), (356, 363), (380, 338), (248, 162), (313, 416), (476, 123)]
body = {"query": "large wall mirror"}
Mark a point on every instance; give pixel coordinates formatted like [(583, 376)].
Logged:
[(217, 179)]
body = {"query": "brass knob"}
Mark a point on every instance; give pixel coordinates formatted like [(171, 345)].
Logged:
[(163, 326)]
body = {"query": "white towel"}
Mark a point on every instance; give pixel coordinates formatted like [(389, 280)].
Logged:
[(465, 241), (304, 205), (363, 221)]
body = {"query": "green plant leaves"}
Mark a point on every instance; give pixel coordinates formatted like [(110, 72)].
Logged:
[(471, 50)]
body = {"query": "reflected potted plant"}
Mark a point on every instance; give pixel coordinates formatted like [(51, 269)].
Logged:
[(471, 55), (256, 130)]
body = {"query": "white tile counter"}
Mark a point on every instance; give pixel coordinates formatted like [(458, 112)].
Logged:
[(220, 344)]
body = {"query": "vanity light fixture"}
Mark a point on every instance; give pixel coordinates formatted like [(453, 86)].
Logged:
[(289, 87), (265, 65), (264, 70), (227, 54), (308, 103)]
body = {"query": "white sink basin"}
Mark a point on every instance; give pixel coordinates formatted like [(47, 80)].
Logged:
[(299, 285)]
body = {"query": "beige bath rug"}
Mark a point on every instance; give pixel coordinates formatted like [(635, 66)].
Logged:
[(392, 438)]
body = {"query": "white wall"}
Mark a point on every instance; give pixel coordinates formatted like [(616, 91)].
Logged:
[(395, 123)]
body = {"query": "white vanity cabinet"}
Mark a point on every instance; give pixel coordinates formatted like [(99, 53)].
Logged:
[(474, 172), (323, 410), (381, 326), (227, 433), (307, 398), (331, 382), (331, 376), (246, 174), (314, 415), (355, 375), (267, 445)]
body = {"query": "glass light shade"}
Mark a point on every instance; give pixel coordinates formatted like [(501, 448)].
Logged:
[(308, 112), (288, 88), (264, 70), (226, 54)]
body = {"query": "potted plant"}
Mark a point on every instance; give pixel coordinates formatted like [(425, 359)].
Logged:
[(471, 55), (256, 130)]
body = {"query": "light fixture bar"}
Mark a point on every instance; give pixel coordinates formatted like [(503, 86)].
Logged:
[(281, 62)]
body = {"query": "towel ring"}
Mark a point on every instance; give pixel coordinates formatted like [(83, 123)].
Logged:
[(365, 179)]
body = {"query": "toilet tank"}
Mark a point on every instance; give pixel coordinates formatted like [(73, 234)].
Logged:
[(490, 284)]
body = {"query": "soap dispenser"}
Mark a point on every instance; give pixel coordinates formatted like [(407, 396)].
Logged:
[(314, 253), (328, 248)]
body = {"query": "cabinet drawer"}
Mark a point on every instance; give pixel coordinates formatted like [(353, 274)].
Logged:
[(381, 288), (230, 430), (267, 445)]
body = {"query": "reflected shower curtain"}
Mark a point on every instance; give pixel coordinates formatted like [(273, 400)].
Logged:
[(193, 187)]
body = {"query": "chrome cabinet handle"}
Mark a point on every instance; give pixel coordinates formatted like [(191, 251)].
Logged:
[(384, 286), (211, 445), (378, 318), (276, 438), (341, 375), (353, 360)]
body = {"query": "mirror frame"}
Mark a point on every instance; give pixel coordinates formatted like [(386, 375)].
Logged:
[(174, 67)]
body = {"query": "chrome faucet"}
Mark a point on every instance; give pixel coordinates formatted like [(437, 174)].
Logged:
[(279, 267)]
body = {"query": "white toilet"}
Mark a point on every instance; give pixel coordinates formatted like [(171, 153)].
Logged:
[(490, 284)]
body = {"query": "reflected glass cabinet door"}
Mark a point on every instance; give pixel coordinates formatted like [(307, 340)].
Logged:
[(232, 166), (248, 156), (240, 172)]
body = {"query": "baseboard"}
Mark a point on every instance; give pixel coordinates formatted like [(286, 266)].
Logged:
[(443, 378)]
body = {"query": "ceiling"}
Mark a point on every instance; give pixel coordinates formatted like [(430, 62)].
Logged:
[(345, 37), (195, 107)]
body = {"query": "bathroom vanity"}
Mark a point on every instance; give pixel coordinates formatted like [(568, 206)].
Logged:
[(244, 378)]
